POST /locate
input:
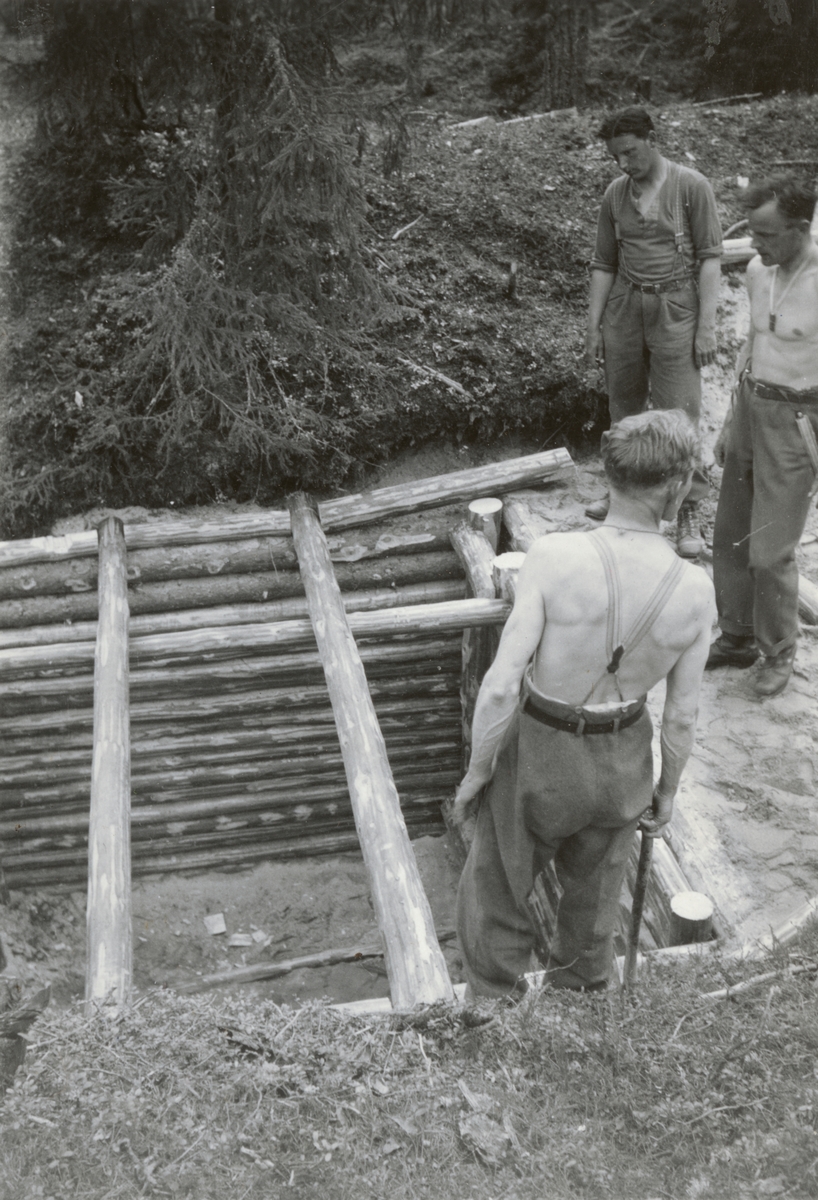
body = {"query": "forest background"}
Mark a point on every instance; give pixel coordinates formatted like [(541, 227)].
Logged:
[(210, 290)]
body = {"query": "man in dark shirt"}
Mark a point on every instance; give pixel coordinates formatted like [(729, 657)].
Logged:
[(654, 288)]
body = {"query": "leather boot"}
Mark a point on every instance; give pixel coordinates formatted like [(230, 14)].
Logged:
[(732, 650), (774, 673), (689, 540)]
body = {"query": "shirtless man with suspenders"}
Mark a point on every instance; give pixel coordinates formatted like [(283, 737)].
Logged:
[(768, 447), (561, 733)]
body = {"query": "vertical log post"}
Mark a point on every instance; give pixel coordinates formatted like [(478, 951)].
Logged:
[(475, 544), (486, 516), (110, 951), (414, 962)]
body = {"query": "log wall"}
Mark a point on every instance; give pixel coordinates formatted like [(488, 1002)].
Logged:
[(234, 754)]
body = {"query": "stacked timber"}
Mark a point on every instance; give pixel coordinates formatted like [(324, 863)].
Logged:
[(234, 751)]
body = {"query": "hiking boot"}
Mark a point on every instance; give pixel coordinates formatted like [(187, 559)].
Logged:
[(732, 650), (689, 540), (774, 673), (597, 510)]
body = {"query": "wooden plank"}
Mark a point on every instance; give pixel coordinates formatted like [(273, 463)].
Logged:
[(415, 964), (110, 952)]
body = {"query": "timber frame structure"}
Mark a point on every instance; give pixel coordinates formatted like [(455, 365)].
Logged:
[(267, 685)]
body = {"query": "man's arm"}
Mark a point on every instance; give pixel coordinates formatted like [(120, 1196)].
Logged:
[(601, 284), (679, 719), (500, 690), (704, 344)]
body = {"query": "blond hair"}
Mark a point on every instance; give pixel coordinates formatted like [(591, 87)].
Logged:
[(650, 449)]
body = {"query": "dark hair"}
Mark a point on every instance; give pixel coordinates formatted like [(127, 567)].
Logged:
[(631, 120), (649, 449), (794, 200)]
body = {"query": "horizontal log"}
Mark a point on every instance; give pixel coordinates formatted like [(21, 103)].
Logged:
[(248, 556), (196, 645), (295, 667), (243, 709), (431, 780), (62, 876), (236, 839), (344, 513), (416, 713), (177, 594), (150, 779), (471, 484), (190, 818), (294, 608), (412, 775), (55, 769)]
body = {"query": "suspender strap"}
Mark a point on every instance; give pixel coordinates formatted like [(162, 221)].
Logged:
[(678, 219), (674, 177), (654, 606), (614, 586), (616, 649)]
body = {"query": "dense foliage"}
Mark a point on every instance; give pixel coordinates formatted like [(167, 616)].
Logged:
[(209, 293)]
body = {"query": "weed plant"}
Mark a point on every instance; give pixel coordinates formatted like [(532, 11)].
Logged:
[(665, 1095)]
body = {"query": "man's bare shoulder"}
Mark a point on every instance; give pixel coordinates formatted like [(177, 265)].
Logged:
[(699, 595), (755, 267), (559, 551)]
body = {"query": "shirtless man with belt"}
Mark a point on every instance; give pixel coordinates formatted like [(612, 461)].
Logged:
[(561, 733), (768, 446)]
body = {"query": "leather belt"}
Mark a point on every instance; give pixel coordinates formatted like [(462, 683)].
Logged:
[(653, 289), (777, 391), (582, 725)]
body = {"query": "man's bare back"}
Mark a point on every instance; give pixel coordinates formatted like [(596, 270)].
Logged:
[(568, 573)]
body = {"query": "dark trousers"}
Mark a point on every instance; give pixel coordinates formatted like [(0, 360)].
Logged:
[(553, 796), (763, 506), (648, 342)]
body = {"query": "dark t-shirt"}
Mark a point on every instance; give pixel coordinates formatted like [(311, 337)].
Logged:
[(648, 242)]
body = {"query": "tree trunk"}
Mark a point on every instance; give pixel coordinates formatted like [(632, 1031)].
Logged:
[(563, 28)]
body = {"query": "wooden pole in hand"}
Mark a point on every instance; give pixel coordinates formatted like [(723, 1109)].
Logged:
[(414, 962), (110, 953)]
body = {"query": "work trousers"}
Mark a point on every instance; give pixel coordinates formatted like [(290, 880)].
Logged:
[(648, 341), (556, 796), (763, 506)]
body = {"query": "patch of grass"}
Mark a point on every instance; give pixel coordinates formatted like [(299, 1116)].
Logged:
[(564, 1096)]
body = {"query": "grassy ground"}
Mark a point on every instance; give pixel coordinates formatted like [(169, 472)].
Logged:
[(668, 1095)]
